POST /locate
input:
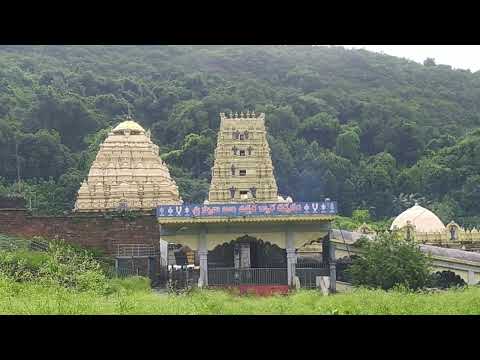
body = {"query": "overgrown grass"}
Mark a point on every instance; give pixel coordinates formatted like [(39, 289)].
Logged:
[(134, 296), (8, 242), (62, 264), (69, 280)]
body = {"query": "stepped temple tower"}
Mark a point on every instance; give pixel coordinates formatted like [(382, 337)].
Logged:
[(127, 174), (243, 170)]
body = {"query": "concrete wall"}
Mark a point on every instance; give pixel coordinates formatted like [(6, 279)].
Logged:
[(90, 230)]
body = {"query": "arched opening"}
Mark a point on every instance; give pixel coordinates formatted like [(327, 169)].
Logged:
[(247, 252), (247, 261)]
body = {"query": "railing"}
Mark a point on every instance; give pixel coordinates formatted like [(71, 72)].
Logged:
[(250, 276), (308, 272), (11, 243), (123, 272), (136, 250), (183, 278), (39, 245)]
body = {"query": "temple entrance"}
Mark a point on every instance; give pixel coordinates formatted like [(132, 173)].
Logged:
[(247, 252), (247, 261)]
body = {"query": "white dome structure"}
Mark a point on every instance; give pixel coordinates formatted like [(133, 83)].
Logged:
[(423, 219)]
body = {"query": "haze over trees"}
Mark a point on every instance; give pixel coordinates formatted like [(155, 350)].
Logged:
[(368, 130)]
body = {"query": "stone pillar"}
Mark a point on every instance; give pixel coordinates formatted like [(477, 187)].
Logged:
[(333, 265), (291, 258), (471, 278), (203, 258), (245, 255), (291, 266), (162, 251)]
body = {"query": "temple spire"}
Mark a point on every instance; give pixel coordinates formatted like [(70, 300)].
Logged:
[(127, 174), (243, 170)]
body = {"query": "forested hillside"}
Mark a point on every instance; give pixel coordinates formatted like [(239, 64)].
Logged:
[(369, 130)]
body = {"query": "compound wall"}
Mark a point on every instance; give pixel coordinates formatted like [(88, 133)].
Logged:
[(90, 230)]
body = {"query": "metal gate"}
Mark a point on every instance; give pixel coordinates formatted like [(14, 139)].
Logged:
[(183, 278), (307, 273), (249, 276)]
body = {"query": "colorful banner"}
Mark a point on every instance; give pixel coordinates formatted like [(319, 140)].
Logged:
[(234, 210)]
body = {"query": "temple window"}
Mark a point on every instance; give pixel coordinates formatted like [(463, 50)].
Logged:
[(242, 137), (242, 152), (244, 194), (233, 170), (243, 172)]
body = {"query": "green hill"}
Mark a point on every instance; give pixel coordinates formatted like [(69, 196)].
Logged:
[(359, 127)]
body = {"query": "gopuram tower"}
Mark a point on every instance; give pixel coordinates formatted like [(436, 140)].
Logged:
[(243, 170), (127, 174)]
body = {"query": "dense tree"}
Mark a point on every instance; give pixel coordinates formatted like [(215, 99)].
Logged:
[(42, 155), (348, 145), (359, 127), (322, 128), (390, 261)]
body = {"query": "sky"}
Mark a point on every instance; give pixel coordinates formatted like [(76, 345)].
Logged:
[(457, 56)]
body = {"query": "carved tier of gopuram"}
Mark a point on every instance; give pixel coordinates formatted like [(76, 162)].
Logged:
[(127, 173), (245, 235), (243, 170)]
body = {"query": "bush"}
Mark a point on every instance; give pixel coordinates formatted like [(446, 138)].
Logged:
[(390, 261), (22, 265), (61, 264), (445, 280)]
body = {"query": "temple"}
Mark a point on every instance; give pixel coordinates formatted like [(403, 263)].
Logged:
[(423, 226), (127, 174), (246, 235), (243, 170)]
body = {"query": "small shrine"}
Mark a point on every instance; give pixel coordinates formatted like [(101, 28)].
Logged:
[(423, 226)]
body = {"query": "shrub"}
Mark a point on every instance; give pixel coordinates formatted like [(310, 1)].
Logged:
[(61, 264), (445, 280), (73, 267), (21, 265), (390, 261)]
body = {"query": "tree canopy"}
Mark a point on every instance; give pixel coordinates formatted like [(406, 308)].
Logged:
[(358, 127)]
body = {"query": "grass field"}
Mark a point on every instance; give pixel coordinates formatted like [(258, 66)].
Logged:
[(133, 296), (67, 280)]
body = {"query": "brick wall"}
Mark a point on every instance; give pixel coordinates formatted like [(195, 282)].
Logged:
[(89, 230)]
